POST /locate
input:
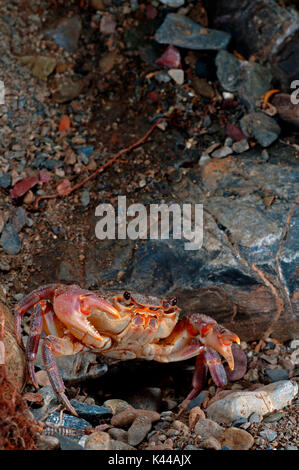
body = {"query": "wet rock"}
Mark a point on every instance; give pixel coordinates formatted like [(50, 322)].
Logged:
[(10, 240), (277, 374), (139, 429), (222, 152), (48, 443), (18, 218), (211, 443), (260, 126), (287, 110), (118, 434), (66, 32), (39, 66), (5, 180), (98, 441), (236, 439), (181, 31), (207, 427), (14, 356), (126, 417), (117, 406), (241, 146), (91, 413), (249, 80), (171, 58), (268, 434), (263, 400)]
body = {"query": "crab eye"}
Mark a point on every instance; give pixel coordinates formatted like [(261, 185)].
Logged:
[(173, 301), (127, 295)]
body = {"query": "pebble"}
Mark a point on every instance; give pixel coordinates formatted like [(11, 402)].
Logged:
[(118, 434), (260, 126), (126, 417), (254, 418), (117, 406), (173, 3), (18, 218), (181, 31), (66, 443), (238, 422), (265, 399), (241, 146), (91, 413), (47, 442), (171, 58), (177, 75), (203, 88), (236, 439), (138, 430), (206, 428), (39, 66), (273, 417), (5, 180), (10, 240), (85, 197), (119, 445), (195, 415), (211, 443), (268, 434), (98, 440), (276, 375), (222, 152), (66, 33)]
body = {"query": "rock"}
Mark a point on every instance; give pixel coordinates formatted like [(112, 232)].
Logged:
[(173, 3), (91, 413), (178, 30), (240, 146), (67, 90), (117, 406), (249, 80), (107, 24), (254, 418), (10, 240), (287, 111), (234, 132), (5, 180), (40, 66), (15, 362), (236, 439), (18, 218), (222, 152), (276, 375), (139, 429), (98, 441), (50, 401), (203, 88), (23, 186), (66, 32), (85, 198), (268, 434), (47, 442), (261, 401), (171, 58), (211, 443), (126, 417), (107, 62), (177, 75), (66, 443), (119, 445), (118, 434), (195, 415), (260, 126), (252, 375), (206, 428)]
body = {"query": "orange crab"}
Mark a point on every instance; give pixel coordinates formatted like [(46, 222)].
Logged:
[(121, 326)]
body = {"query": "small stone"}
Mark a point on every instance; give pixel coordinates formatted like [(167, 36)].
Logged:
[(18, 218), (98, 441), (203, 88), (260, 126), (139, 429), (5, 180), (238, 422), (236, 439), (181, 427), (118, 434), (252, 375), (40, 66), (268, 434), (173, 3), (195, 414), (294, 344), (177, 75), (241, 146), (117, 406), (276, 375), (92, 413), (222, 152), (290, 447), (254, 418), (66, 32), (47, 442), (10, 240), (85, 198), (126, 417), (273, 417), (211, 443), (107, 62), (171, 58), (119, 445), (181, 31), (206, 428), (107, 24)]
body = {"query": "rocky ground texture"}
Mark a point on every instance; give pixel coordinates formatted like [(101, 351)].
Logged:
[(83, 82)]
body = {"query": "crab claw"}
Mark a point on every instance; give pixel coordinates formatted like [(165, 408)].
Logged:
[(210, 333)]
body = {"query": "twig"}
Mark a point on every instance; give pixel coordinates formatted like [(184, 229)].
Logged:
[(104, 166)]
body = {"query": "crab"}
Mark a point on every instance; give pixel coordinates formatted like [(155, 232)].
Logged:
[(120, 326)]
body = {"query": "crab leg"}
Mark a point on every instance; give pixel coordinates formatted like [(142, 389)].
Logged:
[(28, 302), (34, 338), (53, 346)]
